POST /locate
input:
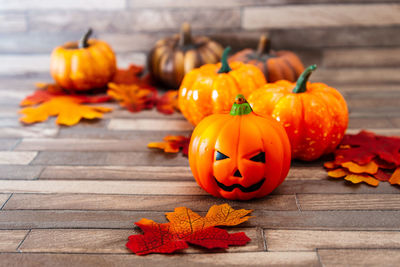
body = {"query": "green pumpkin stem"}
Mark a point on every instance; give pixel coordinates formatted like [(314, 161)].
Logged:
[(240, 107), (224, 61), (301, 85), (83, 42)]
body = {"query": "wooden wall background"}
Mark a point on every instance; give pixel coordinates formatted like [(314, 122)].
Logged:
[(354, 42)]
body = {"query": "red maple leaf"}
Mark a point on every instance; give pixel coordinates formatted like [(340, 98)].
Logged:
[(168, 102), (186, 226), (365, 146), (129, 75), (46, 92)]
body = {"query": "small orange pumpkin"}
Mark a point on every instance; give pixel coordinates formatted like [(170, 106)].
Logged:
[(314, 115), (82, 66), (212, 88), (276, 65), (240, 155)]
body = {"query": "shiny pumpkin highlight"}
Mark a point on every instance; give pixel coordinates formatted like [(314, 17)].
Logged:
[(239, 155), (83, 66), (314, 115)]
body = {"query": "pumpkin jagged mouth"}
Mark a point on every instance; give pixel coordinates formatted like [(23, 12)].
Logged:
[(230, 188)]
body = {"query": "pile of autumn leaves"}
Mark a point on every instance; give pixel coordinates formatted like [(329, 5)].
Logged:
[(187, 227), (127, 87), (366, 157)]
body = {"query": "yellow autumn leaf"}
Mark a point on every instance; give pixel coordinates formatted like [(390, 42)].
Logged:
[(358, 178), (68, 109), (395, 178), (353, 167)]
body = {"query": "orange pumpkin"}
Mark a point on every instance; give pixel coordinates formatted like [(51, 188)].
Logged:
[(276, 65), (212, 88), (314, 115), (82, 66), (240, 155)]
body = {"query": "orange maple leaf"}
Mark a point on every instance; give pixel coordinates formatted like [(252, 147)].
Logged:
[(186, 226), (172, 144), (132, 96), (355, 178), (395, 178), (68, 109)]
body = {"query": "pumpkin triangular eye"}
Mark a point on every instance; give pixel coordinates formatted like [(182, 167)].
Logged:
[(220, 156), (260, 157)]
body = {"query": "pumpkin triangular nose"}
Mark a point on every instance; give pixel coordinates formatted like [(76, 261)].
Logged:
[(237, 173)]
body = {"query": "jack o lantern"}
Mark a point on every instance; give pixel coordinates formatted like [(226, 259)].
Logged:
[(173, 57), (314, 115), (212, 87), (276, 65), (239, 155), (82, 66)]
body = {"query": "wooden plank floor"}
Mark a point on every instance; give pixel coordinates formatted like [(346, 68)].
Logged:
[(69, 196)]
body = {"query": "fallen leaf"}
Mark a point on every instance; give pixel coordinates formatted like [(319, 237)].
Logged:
[(355, 178), (172, 144), (358, 178), (129, 75), (168, 102), (370, 167), (365, 146), (338, 173), (186, 226), (68, 109), (395, 178), (132, 96)]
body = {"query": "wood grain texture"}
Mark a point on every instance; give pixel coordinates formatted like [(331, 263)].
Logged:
[(8, 144), (102, 187), (172, 173), (75, 144), (111, 241), (296, 220), (349, 201), (3, 199), (306, 259), (20, 172), (365, 123), (149, 125), (359, 257), (320, 16), (331, 186), (21, 158), (297, 240), (151, 158), (11, 239), (32, 131), (48, 4), (366, 57), (139, 203)]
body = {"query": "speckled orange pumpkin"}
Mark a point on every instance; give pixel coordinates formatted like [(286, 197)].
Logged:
[(240, 155), (314, 115), (212, 88), (276, 65), (82, 66)]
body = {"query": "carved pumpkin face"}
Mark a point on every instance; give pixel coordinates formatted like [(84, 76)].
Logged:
[(242, 156)]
